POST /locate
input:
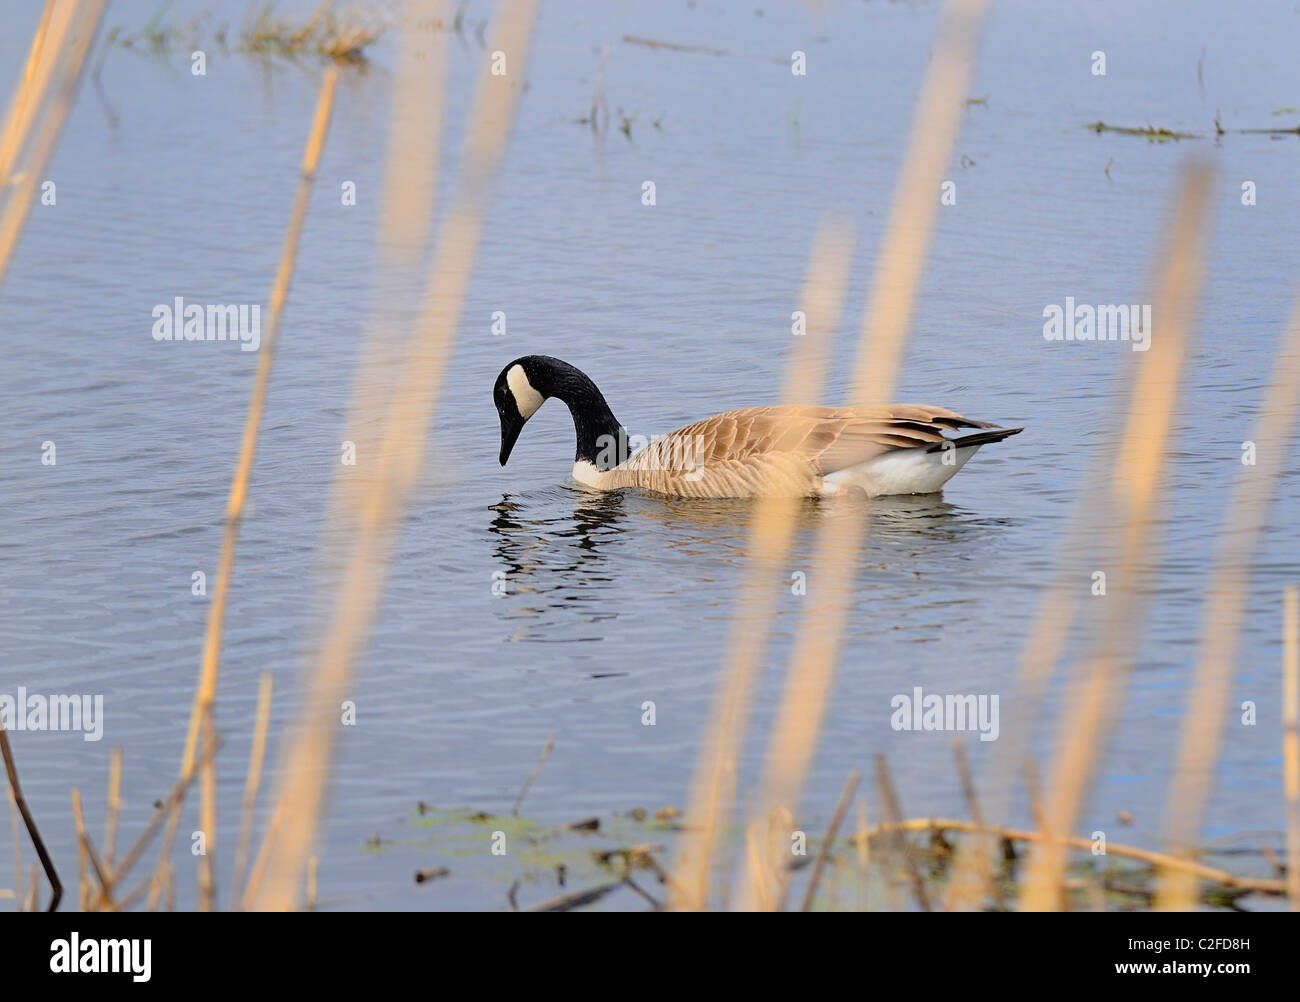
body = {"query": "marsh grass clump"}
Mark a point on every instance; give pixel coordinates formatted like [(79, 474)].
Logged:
[(342, 35), (331, 32), (1150, 132)]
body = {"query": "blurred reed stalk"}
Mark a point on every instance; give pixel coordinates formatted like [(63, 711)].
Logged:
[(18, 852), (256, 756), (1222, 612), (406, 212), (368, 533), (770, 535), (201, 714), (880, 345), (1134, 498), (39, 108), (113, 804), (1291, 738)]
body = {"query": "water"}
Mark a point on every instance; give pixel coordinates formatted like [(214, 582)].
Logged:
[(171, 185)]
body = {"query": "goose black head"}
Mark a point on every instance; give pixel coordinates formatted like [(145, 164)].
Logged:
[(517, 399), (528, 382)]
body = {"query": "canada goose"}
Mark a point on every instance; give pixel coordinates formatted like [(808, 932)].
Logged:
[(799, 451)]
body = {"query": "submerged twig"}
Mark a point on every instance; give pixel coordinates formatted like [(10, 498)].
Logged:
[(37, 842)]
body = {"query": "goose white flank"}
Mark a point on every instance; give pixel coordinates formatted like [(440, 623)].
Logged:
[(756, 451)]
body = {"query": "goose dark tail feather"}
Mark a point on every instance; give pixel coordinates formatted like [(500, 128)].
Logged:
[(979, 438)]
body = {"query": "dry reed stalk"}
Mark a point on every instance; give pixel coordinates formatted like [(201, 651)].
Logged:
[(313, 873), (405, 216), (1291, 738), (18, 854), (373, 524), (252, 780), (84, 838), (113, 805), (1134, 497), (21, 107), (83, 884), (1052, 622), (1157, 859), (33, 889), (771, 532), (169, 887), (894, 812), (880, 345), (528, 783), (205, 695), (1224, 607), (859, 839), (207, 814), (167, 808), (263, 854), (60, 50), (850, 787), (20, 804), (984, 854)]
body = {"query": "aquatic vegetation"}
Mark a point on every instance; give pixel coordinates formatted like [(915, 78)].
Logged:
[(1149, 132), (331, 31)]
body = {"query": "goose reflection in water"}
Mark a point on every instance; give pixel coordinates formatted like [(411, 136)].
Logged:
[(557, 542)]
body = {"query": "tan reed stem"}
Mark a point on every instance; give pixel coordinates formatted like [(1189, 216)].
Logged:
[(397, 465), (880, 344), (205, 694), (252, 781), (1134, 496), (113, 805), (1224, 608), (771, 531), (62, 43), (1291, 738)]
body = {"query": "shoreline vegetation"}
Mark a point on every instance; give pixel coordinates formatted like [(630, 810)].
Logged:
[(721, 855)]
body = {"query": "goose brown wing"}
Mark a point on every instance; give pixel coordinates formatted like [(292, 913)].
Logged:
[(759, 450)]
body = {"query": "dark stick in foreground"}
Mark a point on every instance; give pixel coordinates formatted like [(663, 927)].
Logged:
[(39, 845)]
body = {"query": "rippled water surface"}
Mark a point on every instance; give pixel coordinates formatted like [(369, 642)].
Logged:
[(174, 185)]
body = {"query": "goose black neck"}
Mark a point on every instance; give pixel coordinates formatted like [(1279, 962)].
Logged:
[(601, 440)]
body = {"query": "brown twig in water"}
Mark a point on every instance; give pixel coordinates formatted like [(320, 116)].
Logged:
[(575, 899), (37, 843), (889, 801), (850, 787), (18, 855), (541, 761)]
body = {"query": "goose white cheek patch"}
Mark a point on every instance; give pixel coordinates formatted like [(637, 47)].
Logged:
[(527, 399)]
